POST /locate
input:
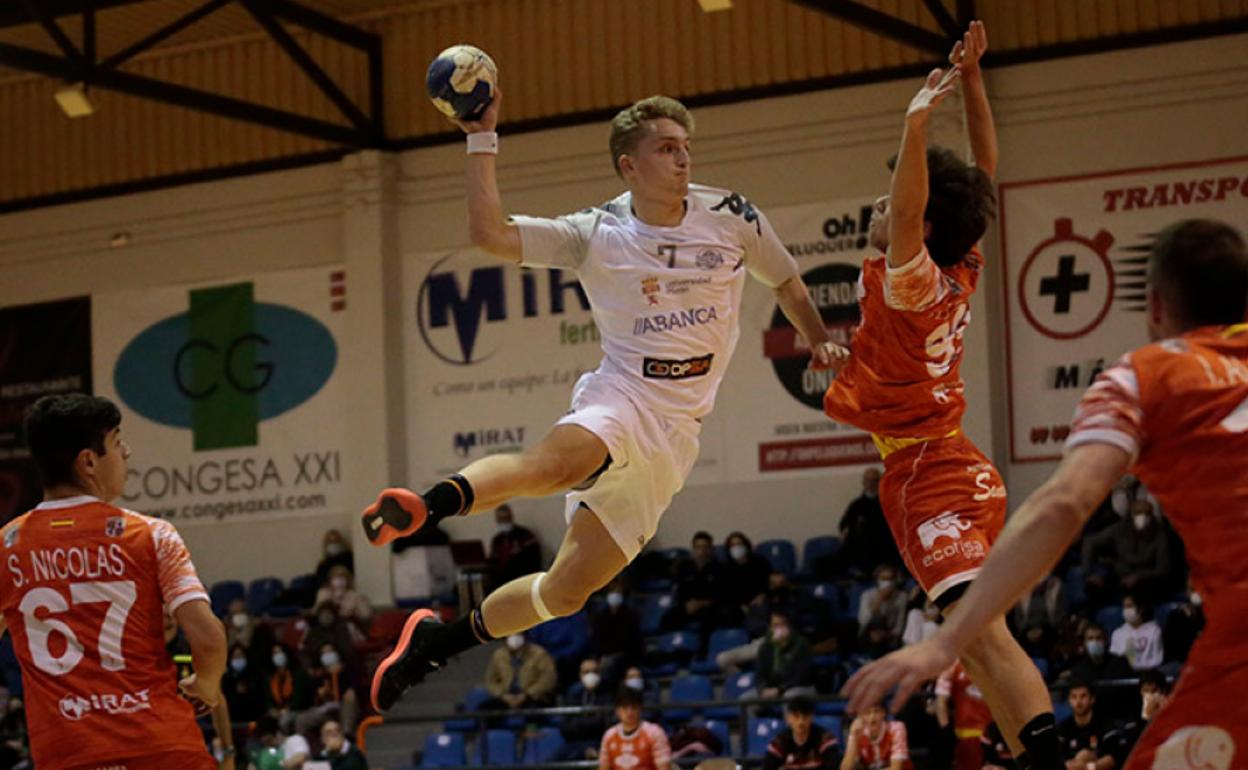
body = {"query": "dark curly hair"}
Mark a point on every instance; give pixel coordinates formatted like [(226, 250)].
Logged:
[(960, 201), (58, 427)]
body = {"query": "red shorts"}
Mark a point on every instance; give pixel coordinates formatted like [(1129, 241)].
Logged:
[(1205, 724), (182, 760), (945, 504)]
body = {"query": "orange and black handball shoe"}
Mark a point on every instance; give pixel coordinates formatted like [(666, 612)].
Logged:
[(409, 661), (397, 513)]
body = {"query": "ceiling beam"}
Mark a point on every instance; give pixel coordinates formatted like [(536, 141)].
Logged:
[(323, 25), (966, 13), (868, 18), (941, 14), (165, 32), (49, 25), (13, 14)]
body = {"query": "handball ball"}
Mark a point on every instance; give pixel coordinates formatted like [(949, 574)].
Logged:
[(461, 81)]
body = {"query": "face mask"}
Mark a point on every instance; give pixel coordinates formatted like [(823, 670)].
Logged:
[(339, 583), (780, 633), (1196, 600), (279, 659), (1095, 648), (329, 659), (506, 527), (635, 683), (931, 613), (335, 549), (883, 584), (738, 552), (615, 599), (1130, 614), (326, 619), (239, 620), (238, 664), (590, 679), (1140, 520), (515, 642)]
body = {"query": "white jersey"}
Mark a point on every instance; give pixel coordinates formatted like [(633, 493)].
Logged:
[(666, 300)]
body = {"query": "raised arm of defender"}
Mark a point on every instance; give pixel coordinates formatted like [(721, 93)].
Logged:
[(979, 124), (488, 227)]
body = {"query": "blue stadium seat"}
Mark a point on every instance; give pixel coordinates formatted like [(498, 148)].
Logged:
[(542, 747), (781, 553), (1109, 618), (849, 610), (672, 650), (720, 730), (444, 750), (817, 548), (563, 638), (831, 724), (304, 586), (721, 639), (759, 733), (828, 594), (224, 592), (1074, 587), (499, 747), (652, 613), (1163, 612), (1042, 664), (733, 687), (472, 702), (1062, 711), (830, 708), (262, 593), (687, 689), (675, 554)]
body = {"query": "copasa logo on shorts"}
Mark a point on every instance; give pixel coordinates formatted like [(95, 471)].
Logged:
[(658, 369)]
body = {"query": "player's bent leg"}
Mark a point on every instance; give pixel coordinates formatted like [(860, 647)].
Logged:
[(587, 560)]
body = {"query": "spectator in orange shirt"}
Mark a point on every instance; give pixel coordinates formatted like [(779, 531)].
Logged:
[(633, 744)]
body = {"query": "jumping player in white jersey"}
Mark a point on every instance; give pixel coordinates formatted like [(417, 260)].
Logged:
[(663, 266)]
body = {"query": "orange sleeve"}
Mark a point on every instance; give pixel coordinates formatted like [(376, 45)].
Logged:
[(901, 744), (1110, 411), (915, 286), (179, 582)]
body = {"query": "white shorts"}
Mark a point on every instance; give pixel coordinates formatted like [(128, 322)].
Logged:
[(651, 456)]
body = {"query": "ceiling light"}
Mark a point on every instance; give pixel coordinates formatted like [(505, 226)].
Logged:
[(74, 102), (715, 5)]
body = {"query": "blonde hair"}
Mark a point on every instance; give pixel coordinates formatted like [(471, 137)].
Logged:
[(629, 124)]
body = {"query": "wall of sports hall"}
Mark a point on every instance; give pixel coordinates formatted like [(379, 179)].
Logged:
[(1135, 108)]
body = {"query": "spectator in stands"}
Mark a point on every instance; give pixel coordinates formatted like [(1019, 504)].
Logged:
[(290, 689), (701, 597), (1183, 625), (521, 675), (636, 680), (1085, 735), (633, 744), (803, 744), (745, 575), (338, 751), (866, 539), (514, 551), (1138, 639), (351, 605), (884, 603), (16, 742), (243, 686), (783, 667), (583, 730), (615, 633), (1096, 663), (328, 628), (1136, 552), (1154, 694), (876, 743), (922, 622), (334, 683), (1037, 616), (334, 552), (270, 736), (240, 626), (960, 704)]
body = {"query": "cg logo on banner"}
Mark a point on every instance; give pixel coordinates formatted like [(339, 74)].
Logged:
[(225, 365)]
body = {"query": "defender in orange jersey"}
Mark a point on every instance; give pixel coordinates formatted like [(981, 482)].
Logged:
[(84, 588), (1174, 413), (943, 499)]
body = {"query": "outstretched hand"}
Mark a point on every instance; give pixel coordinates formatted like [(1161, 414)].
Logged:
[(970, 49), (828, 355), (939, 84), (906, 669), (488, 120)]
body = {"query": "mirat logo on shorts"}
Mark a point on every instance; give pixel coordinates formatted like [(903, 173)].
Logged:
[(658, 369)]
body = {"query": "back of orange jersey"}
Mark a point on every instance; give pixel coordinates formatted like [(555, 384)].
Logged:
[(1181, 407), (84, 590), (903, 378)]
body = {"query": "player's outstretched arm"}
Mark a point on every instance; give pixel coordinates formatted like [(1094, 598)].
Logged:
[(794, 300), (206, 635), (487, 226), (1030, 545), (979, 123), (908, 192)]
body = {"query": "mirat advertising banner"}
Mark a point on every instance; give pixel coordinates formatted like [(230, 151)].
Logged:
[(231, 398), (1076, 259)]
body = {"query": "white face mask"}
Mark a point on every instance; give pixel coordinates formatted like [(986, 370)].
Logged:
[(932, 613), (1195, 599), (883, 584), (1140, 520), (238, 664), (329, 659), (780, 633), (635, 683), (615, 599), (515, 642), (1130, 614), (590, 679), (239, 620), (279, 659), (738, 551), (339, 583), (335, 549), (1095, 648), (505, 526)]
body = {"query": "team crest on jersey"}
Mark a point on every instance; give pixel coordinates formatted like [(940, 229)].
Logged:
[(709, 259), (115, 526), (650, 288), (10, 536)]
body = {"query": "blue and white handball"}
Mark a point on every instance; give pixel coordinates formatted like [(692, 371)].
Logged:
[(461, 81)]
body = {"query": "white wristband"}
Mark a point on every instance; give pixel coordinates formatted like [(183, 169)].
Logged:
[(483, 143)]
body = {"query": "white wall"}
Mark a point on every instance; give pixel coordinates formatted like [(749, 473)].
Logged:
[(1142, 107)]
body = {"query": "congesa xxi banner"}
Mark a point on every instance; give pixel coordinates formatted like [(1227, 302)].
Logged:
[(493, 352), (1076, 253), (45, 348), (230, 394)]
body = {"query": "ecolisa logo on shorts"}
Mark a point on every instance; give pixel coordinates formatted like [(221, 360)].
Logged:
[(658, 369), (948, 526), (75, 707), (225, 365)]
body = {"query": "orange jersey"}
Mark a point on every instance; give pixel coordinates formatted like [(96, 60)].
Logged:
[(970, 713), (1180, 408), (84, 590), (645, 749), (903, 379), (890, 746)]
